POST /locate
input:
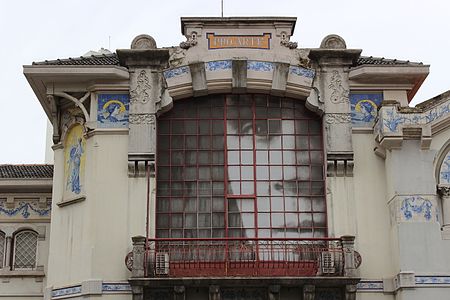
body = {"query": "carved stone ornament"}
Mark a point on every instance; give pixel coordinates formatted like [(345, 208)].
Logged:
[(286, 42), (69, 118), (333, 41), (142, 118), (444, 191), (176, 57), (142, 91), (339, 94), (338, 118), (190, 42), (142, 42)]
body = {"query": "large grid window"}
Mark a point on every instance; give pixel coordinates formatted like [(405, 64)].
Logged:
[(2, 248), (240, 166), (25, 249)]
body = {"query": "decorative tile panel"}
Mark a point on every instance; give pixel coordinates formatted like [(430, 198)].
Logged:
[(171, 73), (259, 66), (25, 209), (74, 162), (299, 71), (113, 110), (414, 208), (68, 291), (432, 280), (218, 65), (370, 285), (116, 287), (364, 108)]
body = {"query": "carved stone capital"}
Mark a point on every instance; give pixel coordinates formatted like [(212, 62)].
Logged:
[(350, 292), (214, 292)]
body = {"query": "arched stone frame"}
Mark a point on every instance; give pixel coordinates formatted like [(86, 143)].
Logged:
[(322, 166), (443, 187), (11, 229)]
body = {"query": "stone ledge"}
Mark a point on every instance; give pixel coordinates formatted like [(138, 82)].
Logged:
[(21, 273), (70, 201)]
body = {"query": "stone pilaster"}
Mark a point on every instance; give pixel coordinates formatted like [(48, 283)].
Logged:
[(147, 98), (444, 192), (333, 60), (137, 270)]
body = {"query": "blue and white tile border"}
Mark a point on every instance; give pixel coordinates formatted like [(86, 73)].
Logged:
[(118, 287), (299, 71), (424, 281), (260, 66), (176, 72), (71, 291), (218, 65), (370, 286)]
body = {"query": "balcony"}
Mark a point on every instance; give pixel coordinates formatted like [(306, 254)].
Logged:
[(172, 266), (243, 257)]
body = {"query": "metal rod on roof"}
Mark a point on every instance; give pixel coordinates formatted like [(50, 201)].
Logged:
[(221, 8)]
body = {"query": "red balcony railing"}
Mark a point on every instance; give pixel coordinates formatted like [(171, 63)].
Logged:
[(242, 257)]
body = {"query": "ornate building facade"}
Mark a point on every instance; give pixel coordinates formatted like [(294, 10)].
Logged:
[(236, 165)]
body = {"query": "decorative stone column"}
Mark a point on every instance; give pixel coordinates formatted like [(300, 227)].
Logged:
[(333, 60), (274, 292), (309, 292), (444, 192), (348, 246), (350, 292), (138, 257), (179, 292), (214, 292), (147, 97)]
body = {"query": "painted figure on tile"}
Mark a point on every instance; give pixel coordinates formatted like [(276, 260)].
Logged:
[(74, 157), (74, 166), (113, 111), (364, 108)]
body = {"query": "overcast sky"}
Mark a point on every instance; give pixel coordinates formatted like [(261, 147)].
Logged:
[(30, 31)]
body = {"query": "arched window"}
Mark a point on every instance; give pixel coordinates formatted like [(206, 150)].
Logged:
[(240, 166), (25, 249), (2, 249)]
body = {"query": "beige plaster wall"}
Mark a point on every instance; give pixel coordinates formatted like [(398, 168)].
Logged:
[(95, 233), (372, 213)]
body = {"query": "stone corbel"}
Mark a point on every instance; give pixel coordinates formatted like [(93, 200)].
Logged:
[(214, 292), (274, 292), (444, 193), (78, 102), (56, 117), (309, 292), (340, 165)]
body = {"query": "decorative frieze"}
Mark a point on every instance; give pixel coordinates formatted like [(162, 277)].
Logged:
[(142, 119), (25, 209), (338, 118)]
